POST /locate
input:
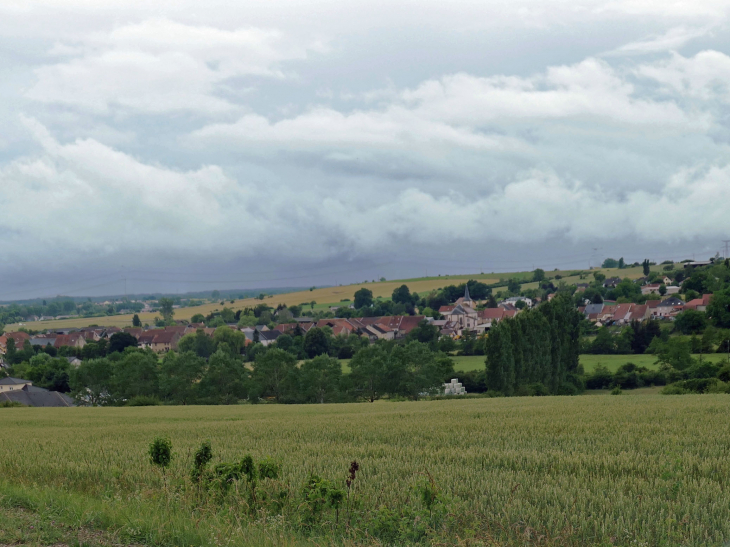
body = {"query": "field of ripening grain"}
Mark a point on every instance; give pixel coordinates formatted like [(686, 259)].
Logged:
[(613, 470)]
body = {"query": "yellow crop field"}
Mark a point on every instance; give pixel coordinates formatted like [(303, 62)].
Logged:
[(585, 470), (326, 295)]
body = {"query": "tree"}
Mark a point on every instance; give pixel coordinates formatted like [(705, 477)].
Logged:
[(425, 333), (719, 309), (91, 382), (228, 315), (369, 369), (198, 343), (691, 322), (121, 340), (677, 353), (621, 263), (224, 382), (166, 308), (136, 322), (599, 277), (610, 263), (402, 295), (180, 374), (604, 343), (662, 289), (135, 375), (320, 379), (273, 374), (492, 302), (646, 266), (513, 286), (500, 359), (414, 370), (363, 298), (235, 339), (215, 295), (316, 342), (538, 275)]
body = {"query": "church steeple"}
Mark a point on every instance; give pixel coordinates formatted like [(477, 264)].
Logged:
[(467, 298)]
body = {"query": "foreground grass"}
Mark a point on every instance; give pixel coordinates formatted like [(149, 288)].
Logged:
[(21, 527), (650, 470)]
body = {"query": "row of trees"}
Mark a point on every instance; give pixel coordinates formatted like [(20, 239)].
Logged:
[(539, 346), (137, 377)]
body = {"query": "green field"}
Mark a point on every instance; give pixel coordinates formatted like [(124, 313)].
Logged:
[(589, 362), (586, 470)]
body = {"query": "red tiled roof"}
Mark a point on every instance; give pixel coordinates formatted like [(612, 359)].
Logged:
[(492, 313)]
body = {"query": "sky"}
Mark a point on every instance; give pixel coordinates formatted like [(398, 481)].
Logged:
[(185, 146)]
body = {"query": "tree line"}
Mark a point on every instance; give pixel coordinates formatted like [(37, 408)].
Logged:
[(538, 347)]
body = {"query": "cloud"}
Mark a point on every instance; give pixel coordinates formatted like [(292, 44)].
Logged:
[(706, 76), (159, 66), (488, 119), (104, 203), (671, 40)]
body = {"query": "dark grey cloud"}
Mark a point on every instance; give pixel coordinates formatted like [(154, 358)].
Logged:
[(290, 143)]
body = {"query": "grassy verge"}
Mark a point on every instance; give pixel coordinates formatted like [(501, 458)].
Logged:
[(50, 516)]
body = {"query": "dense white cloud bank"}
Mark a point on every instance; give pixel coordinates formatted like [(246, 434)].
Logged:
[(300, 132)]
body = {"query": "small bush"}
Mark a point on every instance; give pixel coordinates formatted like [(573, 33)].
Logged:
[(11, 404), (160, 452), (674, 389), (616, 391)]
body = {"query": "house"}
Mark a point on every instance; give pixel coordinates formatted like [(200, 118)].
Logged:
[(339, 326), (378, 332), (622, 314), (401, 325), (74, 340), (593, 309), (611, 282), (462, 316), (134, 331), (669, 307), (650, 288), (581, 287), (639, 312), (268, 337), (489, 317), (13, 384), (699, 304), (18, 337), (514, 299), (43, 340), (73, 361), (30, 395), (146, 338), (697, 263), (165, 341)]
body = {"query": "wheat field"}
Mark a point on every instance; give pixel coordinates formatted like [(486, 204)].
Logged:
[(614, 470)]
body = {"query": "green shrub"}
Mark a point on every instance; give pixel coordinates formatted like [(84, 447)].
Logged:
[(160, 452), (616, 390), (202, 457), (11, 404), (724, 373), (674, 389)]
